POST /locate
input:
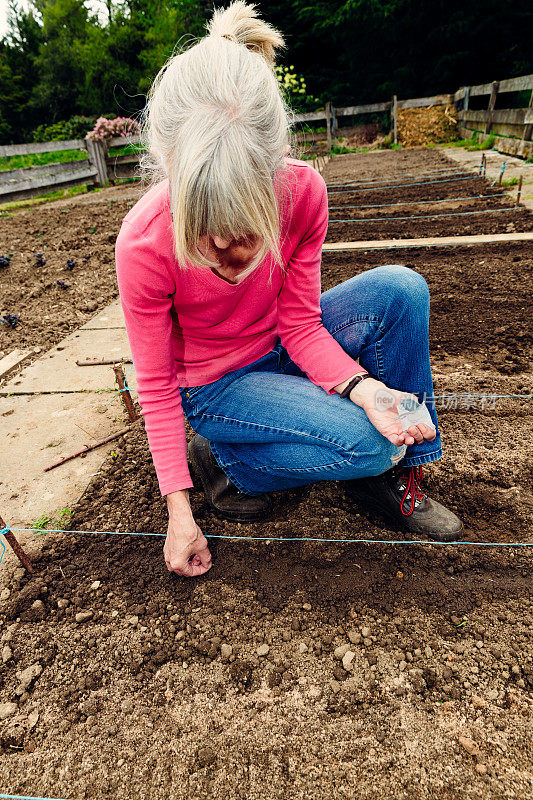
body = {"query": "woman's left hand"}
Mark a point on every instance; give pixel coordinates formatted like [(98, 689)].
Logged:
[(381, 407)]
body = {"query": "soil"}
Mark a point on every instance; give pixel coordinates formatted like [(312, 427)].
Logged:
[(432, 183), (76, 239), (242, 684)]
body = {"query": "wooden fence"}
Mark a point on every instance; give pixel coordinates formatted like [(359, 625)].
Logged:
[(17, 184), (330, 114), (513, 130)]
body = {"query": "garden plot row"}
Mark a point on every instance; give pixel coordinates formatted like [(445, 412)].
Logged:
[(433, 201)]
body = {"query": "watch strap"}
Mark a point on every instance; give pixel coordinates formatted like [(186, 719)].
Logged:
[(358, 378)]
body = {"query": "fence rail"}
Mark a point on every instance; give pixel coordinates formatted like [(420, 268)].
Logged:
[(512, 128)]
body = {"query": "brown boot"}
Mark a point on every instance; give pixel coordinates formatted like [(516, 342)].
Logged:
[(397, 495), (221, 494)]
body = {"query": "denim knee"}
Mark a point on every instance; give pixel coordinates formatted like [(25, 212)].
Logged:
[(407, 286)]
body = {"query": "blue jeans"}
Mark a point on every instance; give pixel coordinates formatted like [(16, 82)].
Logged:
[(271, 428)]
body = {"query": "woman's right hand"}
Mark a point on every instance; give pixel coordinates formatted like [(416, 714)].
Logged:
[(186, 551)]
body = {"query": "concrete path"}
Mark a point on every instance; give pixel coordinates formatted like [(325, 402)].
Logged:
[(514, 168), (51, 409)]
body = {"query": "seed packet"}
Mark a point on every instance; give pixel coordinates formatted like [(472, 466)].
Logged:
[(413, 413)]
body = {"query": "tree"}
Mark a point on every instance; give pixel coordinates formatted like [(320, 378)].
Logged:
[(18, 74)]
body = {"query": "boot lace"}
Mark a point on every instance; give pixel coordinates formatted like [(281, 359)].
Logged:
[(410, 483)]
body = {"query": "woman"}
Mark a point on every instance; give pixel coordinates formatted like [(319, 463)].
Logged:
[(218, 267)]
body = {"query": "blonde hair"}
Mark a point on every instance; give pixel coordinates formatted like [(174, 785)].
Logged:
[(217, 125)]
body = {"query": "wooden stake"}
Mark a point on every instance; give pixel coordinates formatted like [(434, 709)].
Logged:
[(519, 190), (17, 549), (87, 448), (103, 363), (126, 396)]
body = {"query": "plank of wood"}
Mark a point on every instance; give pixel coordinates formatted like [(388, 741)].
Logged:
[(438, 241), (425, 102), (311, 116), (510, 85), (511, 116), (369, 108), (13, 359), (131, 158), (41, 147), (120, 141), (28, 188), (12, 176)]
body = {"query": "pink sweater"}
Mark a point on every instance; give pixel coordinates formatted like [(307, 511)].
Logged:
[(190, 327)]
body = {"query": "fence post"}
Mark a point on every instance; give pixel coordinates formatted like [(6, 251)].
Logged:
[(492, 103), (466, 99), (328, 124), (96, 152), (333, 125), (395, 117), (528, 127)]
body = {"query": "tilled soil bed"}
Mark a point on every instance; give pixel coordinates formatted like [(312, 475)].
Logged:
[(299, 669), (391, 199), (61, 266)]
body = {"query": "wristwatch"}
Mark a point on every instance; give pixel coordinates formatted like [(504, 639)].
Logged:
[(358, 378)]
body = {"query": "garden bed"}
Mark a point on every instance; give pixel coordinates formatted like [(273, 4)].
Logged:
[(230, 686), (76, 239), (431, 202)]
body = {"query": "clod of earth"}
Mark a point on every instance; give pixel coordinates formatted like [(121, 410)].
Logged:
[(11, 320)]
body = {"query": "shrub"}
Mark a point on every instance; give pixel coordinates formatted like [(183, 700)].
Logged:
[(295, 90), (74, 128), (108, 128)]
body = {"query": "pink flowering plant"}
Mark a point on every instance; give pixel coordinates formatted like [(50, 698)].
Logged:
[(109, 128)]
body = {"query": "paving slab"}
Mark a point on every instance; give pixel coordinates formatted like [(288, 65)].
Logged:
[(57, 371), (13, 359), (38, 430), (111, 317)]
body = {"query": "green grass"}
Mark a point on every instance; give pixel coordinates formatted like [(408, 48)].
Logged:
[(60, 519), (126, 150), (339, 149), (39, 159), (510, 182), (42, 522), (474, 143)]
